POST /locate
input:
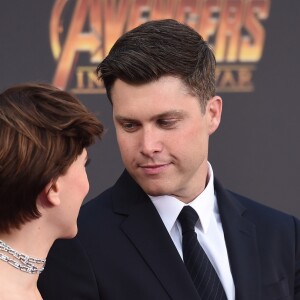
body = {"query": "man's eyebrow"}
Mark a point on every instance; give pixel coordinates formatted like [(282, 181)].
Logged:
[(124, 119), (166, 114), (171, 113)]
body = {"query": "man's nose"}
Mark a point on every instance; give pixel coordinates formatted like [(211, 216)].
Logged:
[(151, 142)]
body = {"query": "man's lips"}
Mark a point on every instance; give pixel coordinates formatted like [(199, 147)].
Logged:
[(154, 169)]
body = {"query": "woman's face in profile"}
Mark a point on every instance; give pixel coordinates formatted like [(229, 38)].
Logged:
[(73, 187)]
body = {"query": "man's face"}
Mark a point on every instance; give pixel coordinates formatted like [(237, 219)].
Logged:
[(163, 135)]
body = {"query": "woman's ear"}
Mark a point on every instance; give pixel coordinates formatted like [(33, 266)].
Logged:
[(50, 194)]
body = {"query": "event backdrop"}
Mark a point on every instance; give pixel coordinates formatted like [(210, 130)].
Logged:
[(255, 151)]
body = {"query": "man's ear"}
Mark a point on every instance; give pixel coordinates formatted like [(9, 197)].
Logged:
[(214, 112), (50, 194)]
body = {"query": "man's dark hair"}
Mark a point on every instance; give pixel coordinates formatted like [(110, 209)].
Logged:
[(159, 48)]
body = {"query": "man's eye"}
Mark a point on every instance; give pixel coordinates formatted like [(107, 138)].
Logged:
[(167, 123), (128, 126)]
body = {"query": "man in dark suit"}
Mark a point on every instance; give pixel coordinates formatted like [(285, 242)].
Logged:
[(160, 78)]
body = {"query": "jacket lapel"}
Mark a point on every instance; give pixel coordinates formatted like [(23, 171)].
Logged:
[(241, 243), (147, 232), (145, 229)]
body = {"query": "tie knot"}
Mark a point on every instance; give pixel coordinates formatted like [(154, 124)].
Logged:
[(188, 218)]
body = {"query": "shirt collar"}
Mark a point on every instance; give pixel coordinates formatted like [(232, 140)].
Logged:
[(169, 207)]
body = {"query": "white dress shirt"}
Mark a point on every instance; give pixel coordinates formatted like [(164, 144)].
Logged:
[(208, 228)]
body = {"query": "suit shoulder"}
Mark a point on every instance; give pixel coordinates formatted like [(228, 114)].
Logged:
[(96, 208), (101, 200), (263, 212)]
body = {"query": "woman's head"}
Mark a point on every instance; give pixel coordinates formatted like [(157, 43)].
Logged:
[(42, 132)]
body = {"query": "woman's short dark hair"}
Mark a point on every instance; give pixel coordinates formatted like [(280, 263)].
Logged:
[(158, 48), (42, 132)]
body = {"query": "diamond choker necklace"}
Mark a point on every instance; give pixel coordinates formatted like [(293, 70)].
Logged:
[(21, 261)]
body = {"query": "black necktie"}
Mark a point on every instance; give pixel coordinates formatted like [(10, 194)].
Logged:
[(199, 266)]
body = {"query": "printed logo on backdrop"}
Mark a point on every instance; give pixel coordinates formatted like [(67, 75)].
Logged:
[(83, 31)]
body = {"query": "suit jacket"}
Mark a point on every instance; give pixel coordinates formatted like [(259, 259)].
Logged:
[(124, 252)]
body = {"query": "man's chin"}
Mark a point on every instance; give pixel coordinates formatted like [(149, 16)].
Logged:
[(154, 186), (155, 192)]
